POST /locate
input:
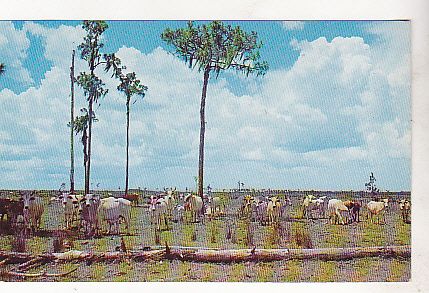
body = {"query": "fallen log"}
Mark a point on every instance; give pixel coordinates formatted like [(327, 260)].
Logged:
[(35, 275), (198, 254)]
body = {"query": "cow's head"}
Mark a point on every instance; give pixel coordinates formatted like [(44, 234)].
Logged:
[(27, 198), (89, 199), (65, 197), (385, 200), (275, 201), (153, 201), (248, 199)]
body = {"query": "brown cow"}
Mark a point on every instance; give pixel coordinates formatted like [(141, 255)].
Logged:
[(354, 210)]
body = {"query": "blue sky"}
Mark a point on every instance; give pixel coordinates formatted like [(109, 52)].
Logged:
[(334, 106)]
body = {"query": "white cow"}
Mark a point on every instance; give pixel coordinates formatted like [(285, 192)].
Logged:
[(216, 206), (377, 208), (112, 210), (273, 210), (108, 211), (405, 208), (33, 210), (88, 210), (194, 204), (159, 212), (70, 205), (335, 208), (125, 212), (261, 211), (309, 204)]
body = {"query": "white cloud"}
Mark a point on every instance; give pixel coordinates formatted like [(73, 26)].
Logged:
[(58, 42), (13, 51), (335, 111), (293, 25)]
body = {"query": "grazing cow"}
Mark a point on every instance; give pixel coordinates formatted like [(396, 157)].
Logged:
[(354, 210), (246, 207), (4, 207), (112, 210), (88, 209), (70, 206), (310, 203), (194, 204), (133, 198), (11, 209), (33, 210), (15, 212), (284, 204), (273, 210), (261, 211), (216, 206), (170, 200), (108, 211), (159, 212), (405, 208), (125, 212), (377, 208), (335, 208), (179, 211)]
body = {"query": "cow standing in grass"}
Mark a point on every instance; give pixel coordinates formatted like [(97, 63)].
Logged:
[(405, 208), (33, 210), (354, 210), (194, 205), (88, 209), (70, 203), (247, 206), (336, 211), (273, 210), (377, 209), (216, 206), (159, 212), (310, 204)]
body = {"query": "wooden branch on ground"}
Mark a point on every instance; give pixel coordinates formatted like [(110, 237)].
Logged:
[(32, 263), (35, 275), (216, 255)]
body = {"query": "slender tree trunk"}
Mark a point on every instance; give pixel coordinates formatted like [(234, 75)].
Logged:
[(202, 132), (88, 157), (72, 126), (92, 97), (128, 145)]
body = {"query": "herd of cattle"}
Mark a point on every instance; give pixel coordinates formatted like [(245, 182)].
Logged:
[(92, 214)]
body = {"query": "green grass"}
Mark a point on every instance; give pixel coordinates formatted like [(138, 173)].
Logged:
[(157, 271), (338, 235), (236, 272), (292, 271), (362, 268), (264, 272), (188, 231), (372, 234), (326, 272), (398, 269)]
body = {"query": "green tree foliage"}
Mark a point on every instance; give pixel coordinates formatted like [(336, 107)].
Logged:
[(2, 68), (130, 86), (212, 48), (93, 87), (80, 126)]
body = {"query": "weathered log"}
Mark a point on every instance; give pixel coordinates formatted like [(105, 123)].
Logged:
[(217, 255), (35, 275), (31, 264)]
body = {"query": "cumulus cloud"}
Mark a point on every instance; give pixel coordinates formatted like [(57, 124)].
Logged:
[(13, 51), (335, 113), (292, 25)]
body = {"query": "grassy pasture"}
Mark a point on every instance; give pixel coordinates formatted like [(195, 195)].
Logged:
[(294, 233)]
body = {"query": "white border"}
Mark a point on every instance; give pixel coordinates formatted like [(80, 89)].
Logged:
[(415, 10)]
